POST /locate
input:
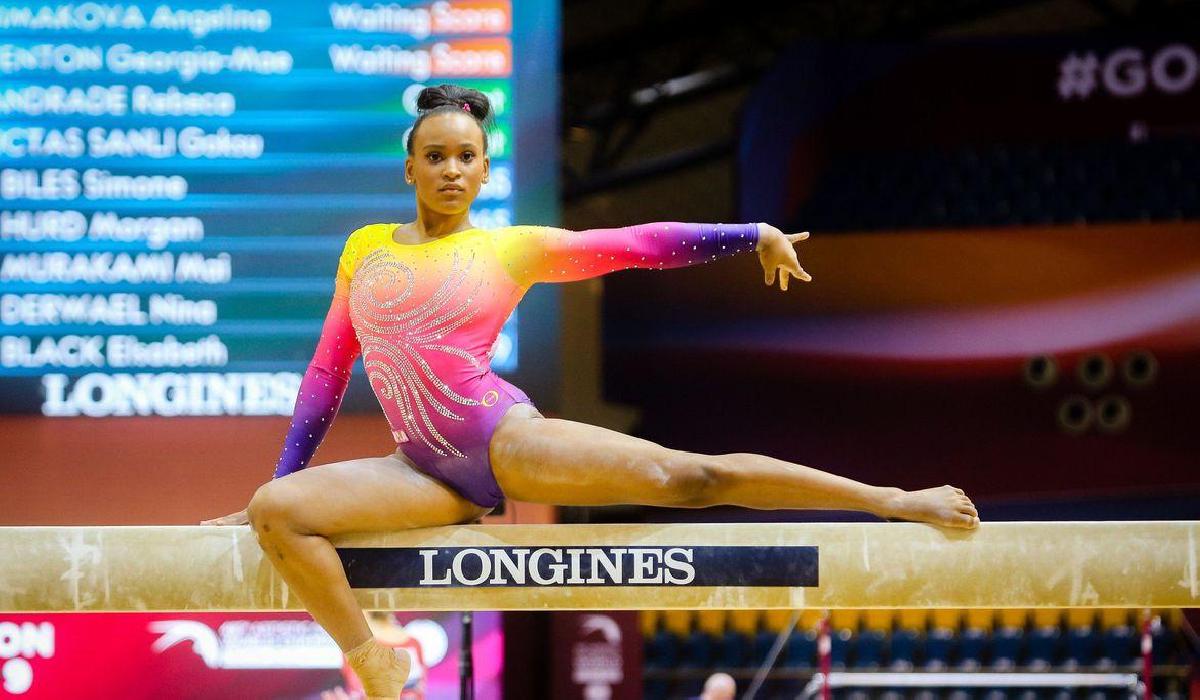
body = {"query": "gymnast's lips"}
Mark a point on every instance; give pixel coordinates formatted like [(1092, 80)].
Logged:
[(451, 188)]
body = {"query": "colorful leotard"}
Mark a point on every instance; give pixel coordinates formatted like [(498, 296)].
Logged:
[(425, 316)]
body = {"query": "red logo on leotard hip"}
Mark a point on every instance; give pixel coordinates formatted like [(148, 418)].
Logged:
[(490, 397)]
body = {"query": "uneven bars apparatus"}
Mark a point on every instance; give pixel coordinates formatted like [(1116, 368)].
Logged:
[(620, 567)]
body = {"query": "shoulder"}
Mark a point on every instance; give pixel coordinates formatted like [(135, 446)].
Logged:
[(370, 235), (518, 229), (369, 232), (513, 234), (511, 242), (361, 241)]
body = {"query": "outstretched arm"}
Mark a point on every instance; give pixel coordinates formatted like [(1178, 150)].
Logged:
[(545, 254), (323, 386)]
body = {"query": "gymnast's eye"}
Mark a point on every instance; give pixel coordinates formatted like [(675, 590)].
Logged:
[(468, 156), (434, 156)]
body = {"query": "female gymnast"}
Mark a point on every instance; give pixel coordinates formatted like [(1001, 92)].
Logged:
[(423, 303)]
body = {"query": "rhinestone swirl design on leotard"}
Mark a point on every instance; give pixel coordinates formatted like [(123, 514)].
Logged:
[(396, 334), (426, 315)]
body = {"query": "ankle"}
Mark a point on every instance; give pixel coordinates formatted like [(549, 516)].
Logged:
[(366, 656), (357, 649), (381, 669), (888, 502)]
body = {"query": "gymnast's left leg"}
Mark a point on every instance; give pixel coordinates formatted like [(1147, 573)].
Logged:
[(548, 460)]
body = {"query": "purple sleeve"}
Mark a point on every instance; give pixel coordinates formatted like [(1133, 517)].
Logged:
[(323, 386)]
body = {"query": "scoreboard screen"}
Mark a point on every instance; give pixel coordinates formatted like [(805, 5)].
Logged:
[(177, 180)]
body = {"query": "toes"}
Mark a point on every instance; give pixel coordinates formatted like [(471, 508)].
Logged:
[(964, 521)]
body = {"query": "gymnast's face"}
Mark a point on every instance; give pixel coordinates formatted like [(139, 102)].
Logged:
[(448, 163)]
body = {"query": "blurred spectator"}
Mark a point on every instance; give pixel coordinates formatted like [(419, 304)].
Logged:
[(719, 686)]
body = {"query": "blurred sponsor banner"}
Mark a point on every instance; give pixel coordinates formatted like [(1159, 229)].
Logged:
[(218, 655)]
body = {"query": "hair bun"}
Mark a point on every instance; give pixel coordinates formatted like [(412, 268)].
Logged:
[(444, 99), (454, 96)]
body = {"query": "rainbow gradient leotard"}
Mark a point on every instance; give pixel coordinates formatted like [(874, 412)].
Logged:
[(425, 318)]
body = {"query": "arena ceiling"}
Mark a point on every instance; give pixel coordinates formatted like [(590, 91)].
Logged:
[(650, 88)]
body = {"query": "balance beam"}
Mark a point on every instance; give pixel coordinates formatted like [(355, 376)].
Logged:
[(620, 567)]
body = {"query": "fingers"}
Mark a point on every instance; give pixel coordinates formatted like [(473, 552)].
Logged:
[(223, 520), (785, 273), (797, 237), (798, 272)]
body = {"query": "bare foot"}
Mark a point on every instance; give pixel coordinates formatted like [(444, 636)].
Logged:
[(941, 505), (382, 669)]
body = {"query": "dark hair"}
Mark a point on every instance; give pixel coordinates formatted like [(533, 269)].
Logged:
[(445, 99)]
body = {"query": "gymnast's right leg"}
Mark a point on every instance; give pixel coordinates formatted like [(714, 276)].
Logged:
[(293, 516)]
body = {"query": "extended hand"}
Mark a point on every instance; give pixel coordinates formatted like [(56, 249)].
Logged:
[(238, 518), (776, 252)]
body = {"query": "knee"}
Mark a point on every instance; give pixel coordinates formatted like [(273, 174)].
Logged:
[(270, 509), (693, 480)]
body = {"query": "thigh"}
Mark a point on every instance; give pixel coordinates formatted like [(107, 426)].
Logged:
[(550, 460), (366, 495)]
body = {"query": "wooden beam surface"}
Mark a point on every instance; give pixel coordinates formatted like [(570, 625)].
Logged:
[(620, 567)]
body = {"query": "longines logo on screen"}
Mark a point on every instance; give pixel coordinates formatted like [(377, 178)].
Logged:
[(408, 567)]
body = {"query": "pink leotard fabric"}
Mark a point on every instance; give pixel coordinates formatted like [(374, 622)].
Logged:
[(425, 317)]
